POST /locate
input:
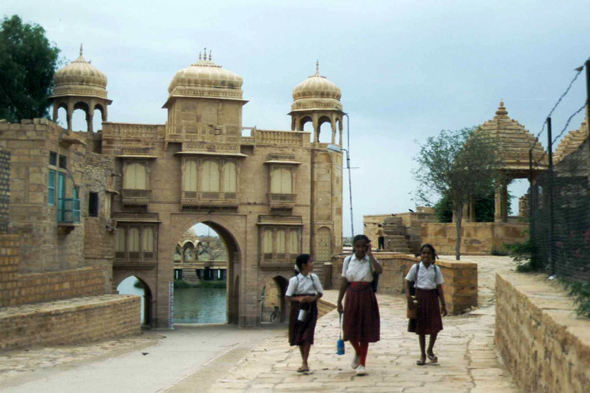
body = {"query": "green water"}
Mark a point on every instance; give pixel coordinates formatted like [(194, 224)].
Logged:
[(199, 305)]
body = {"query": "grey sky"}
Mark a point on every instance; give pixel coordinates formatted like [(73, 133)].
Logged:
[(407, 69)]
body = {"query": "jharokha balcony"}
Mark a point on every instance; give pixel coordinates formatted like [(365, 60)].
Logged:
[(281, 201), (136, 197), (199, 200)]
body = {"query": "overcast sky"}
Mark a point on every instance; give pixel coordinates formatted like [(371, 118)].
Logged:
[(407, 69)]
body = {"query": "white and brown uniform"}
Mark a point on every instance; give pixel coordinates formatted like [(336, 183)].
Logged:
[(426, 281), (302, 332)]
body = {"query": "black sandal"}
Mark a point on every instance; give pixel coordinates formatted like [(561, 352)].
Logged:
[(433, 358), (420, 362)]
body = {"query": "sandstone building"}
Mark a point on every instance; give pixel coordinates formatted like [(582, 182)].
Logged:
[(121, 198)]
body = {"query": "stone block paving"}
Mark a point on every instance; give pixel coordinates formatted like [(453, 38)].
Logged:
[(467, 358), (19, 362)]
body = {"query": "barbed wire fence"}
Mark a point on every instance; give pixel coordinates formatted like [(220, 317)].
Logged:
[(559, 198)]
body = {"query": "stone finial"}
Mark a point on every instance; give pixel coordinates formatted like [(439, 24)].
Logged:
[(205, 54), (209, 54), (200, 58), (81, 49), (501, 110)]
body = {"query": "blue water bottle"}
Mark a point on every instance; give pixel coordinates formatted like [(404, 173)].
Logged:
[(340, 342)]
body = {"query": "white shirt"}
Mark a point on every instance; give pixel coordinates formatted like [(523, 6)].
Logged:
[(357, 271), (425, 276), (304, 285)]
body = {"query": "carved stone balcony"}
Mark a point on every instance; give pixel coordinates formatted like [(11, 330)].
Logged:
[(136, 197), (281, 202), (277, 261), (198, 200)]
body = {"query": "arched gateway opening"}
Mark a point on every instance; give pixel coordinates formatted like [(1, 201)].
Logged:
[(136, 286), (205, 275)]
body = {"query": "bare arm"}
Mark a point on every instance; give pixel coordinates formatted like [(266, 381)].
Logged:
[(441, 296), (407, 287), (343, 286), (377, 268)]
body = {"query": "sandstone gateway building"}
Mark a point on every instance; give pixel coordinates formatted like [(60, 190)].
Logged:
[(121, 198)]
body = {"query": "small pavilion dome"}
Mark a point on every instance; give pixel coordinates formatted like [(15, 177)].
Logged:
[(80, 78), (206, 79), (316, 92), (571, 142), (514, 142)]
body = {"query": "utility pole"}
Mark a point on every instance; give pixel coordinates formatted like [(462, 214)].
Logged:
[(551, 210)]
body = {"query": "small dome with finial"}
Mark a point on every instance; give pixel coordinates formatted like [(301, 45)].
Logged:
[(80, 78), (316, 92), (514, 141), (206, 79)]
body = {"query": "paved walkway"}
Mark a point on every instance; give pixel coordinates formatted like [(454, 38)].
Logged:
[(467, 358)]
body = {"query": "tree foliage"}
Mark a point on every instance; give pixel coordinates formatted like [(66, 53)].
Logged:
[(484, 207), (456, 165), (28, 62)]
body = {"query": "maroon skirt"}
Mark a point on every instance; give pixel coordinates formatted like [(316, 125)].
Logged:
[(302, 332), (429, 320), (361, 314)]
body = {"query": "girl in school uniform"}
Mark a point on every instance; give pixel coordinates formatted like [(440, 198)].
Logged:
[(303, 293), (427, 279), (361, 322)]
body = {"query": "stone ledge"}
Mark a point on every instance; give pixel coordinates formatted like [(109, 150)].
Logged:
[(70, 321), (543, 342)]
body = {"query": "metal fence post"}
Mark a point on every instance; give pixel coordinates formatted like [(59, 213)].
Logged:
[(552, 244)]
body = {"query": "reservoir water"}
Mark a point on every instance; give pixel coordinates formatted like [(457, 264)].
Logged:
[(191, 305)]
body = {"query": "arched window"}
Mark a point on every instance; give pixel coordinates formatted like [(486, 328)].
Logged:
[(281, 243), (135, 176), (210, 177), (190, 176), (133, 240), (281, 181), (294, 241), (267, 243), (120, 240), (229, 177), (147, 240)]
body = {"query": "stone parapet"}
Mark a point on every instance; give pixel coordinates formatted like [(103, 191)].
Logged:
[(540, 338), (70, 321), (477, 238), (460, 286), (19, 289)]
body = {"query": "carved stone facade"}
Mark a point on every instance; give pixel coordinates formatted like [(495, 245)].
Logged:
[(131, 191)]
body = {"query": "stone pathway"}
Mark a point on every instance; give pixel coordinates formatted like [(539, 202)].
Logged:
[(22, 361), (467, 358)]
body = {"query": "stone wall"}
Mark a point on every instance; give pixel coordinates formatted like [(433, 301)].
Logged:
[(70, 321), (460, 287), (4, 190), (18, 289), (477, 238), (540, 338), (325, 307)]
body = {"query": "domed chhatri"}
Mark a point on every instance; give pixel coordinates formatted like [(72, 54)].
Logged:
[(206, 79), (80, 78), (515, 141), (571, 142), (79, 85), (316, 92)]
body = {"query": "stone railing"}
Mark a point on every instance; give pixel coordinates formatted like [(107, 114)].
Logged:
[(126, 130), (460, 287), (294, 138), (540, 338)]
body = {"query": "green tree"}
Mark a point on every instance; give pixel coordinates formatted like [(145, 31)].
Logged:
[(484, 207), (28, 62), (456, 165)]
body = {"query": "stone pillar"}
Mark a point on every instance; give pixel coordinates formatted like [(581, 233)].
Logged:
[(316, 128), (340, 129), (505, 202), (498, 204), (333, 122), (472, 210), (90, 122)]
